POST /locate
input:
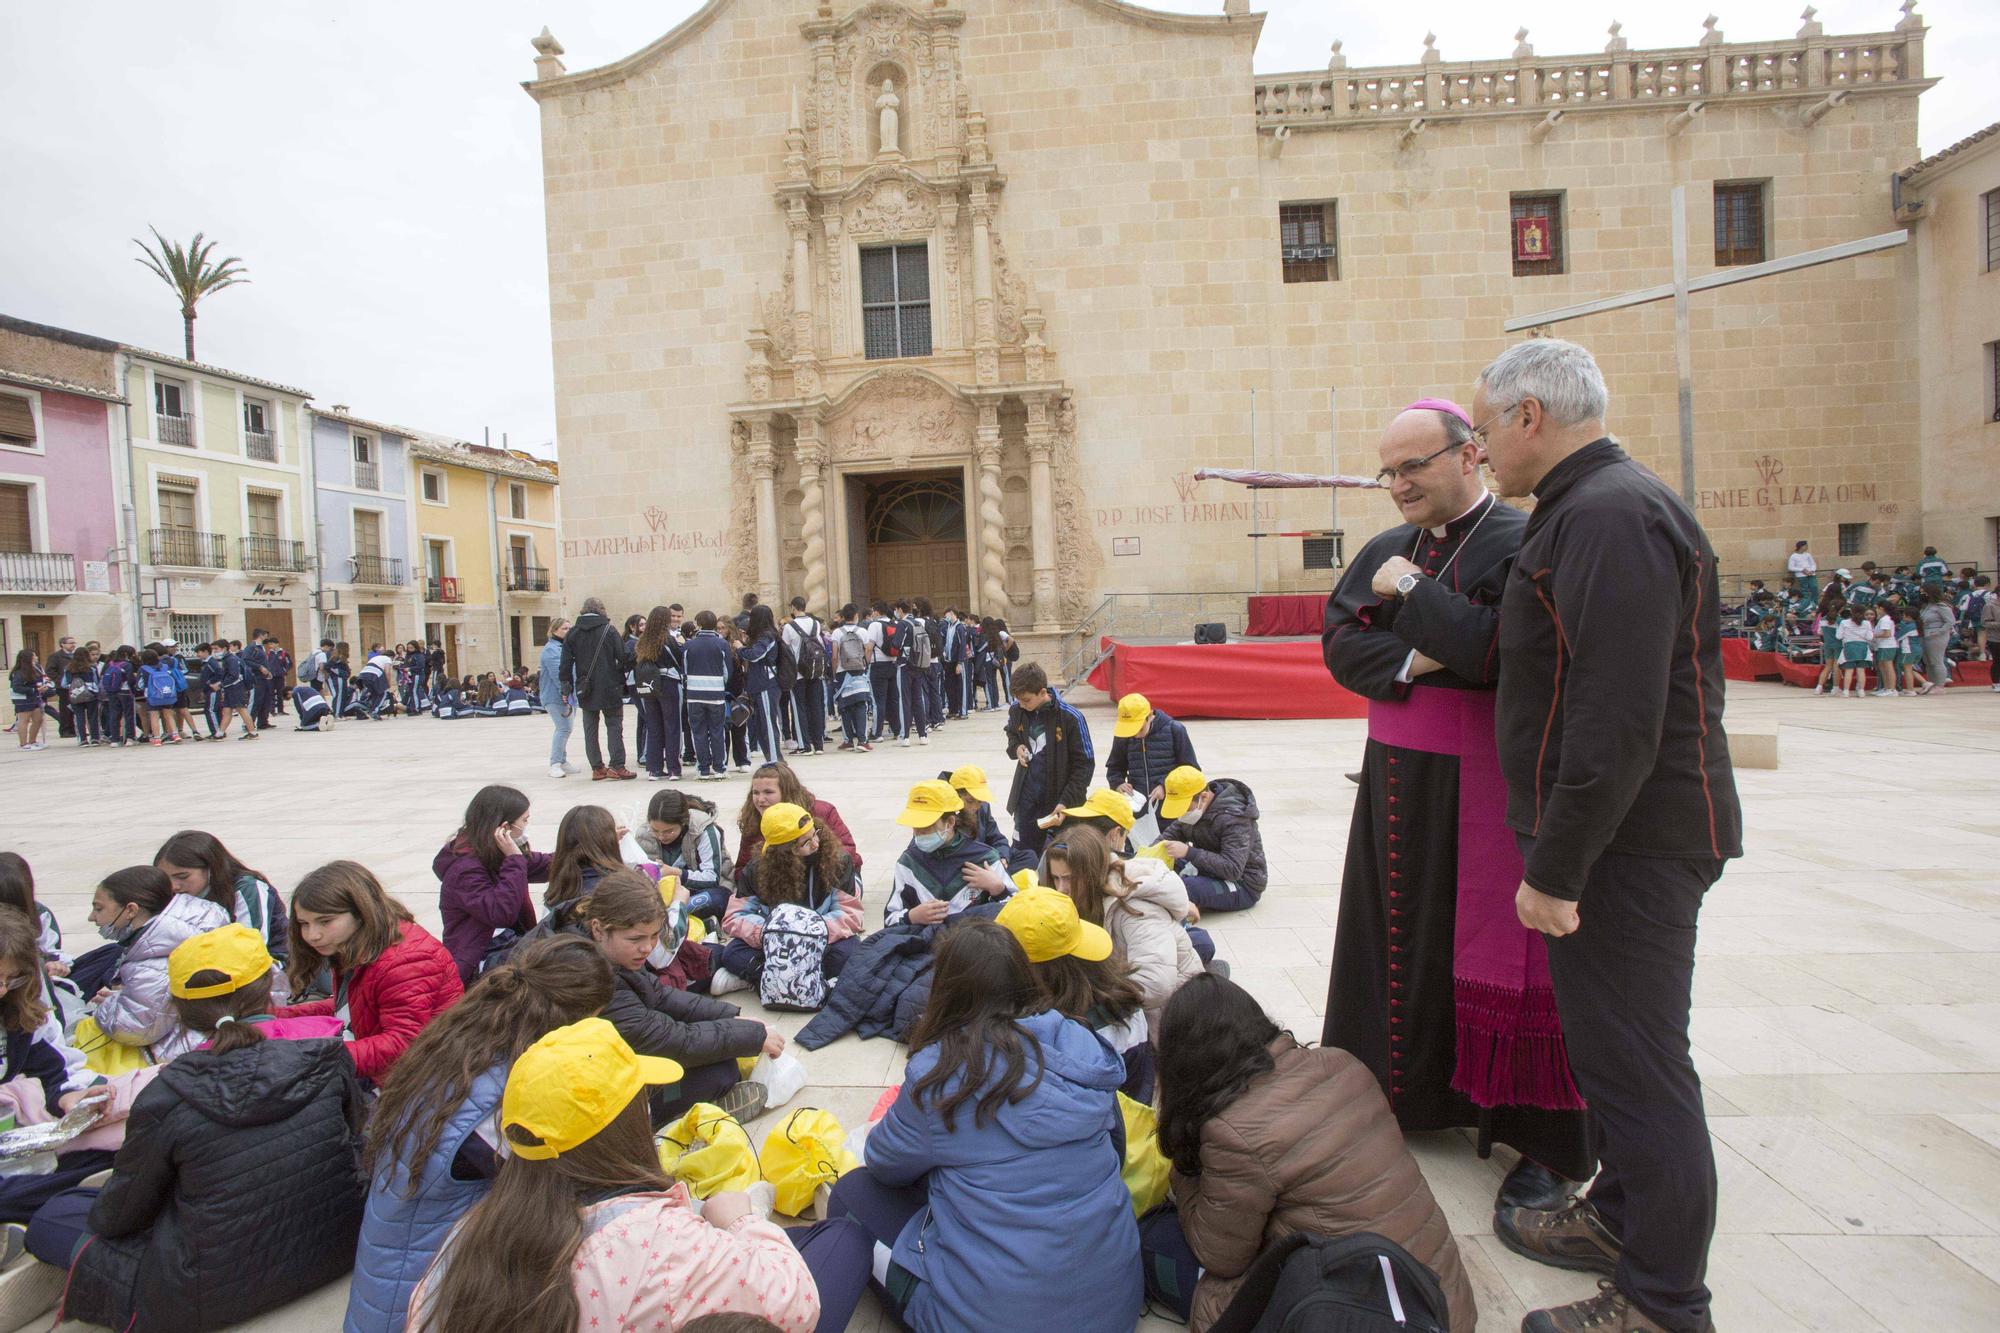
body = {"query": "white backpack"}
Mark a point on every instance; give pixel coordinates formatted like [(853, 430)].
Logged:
[(794, 955)]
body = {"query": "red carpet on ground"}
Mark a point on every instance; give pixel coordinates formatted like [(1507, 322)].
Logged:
[(1741, 662), (1284, 614), (1263, 680)]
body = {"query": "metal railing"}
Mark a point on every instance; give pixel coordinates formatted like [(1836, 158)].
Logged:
[(37, 571), (367, 476), (1161, 617), (260, 445), (174, 430), (272, 553), (380, 569), (527, 578), (443, 590), (187, 547)]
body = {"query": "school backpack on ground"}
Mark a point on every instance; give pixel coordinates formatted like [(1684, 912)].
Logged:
[(160, 689), (1356, 1284), (794, 954), (850, 653)]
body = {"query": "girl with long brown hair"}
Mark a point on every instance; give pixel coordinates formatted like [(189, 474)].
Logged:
[(656, 679), (1140, 902), (483, 875), (803, 865), (391, 977), (582, 1229), (235, 1190), (586, 851), (197, 863), (34, 1051), (995, 1171), (780, 782), (432, 1153)]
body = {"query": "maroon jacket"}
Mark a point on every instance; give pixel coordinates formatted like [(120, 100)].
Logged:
[(822, 811), (475, 903)]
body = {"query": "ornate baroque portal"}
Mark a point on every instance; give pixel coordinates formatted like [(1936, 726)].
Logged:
[(886, 149)]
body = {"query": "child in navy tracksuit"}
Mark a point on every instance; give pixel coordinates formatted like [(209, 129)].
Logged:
[(760, 682), (708, 664)]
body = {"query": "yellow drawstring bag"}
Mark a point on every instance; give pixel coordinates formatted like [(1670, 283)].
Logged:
[(808, 1150), (1155, 852), (1146, 1167), (708, 1150), (104, 1056)]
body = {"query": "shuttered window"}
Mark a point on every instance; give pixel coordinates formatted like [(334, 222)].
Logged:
[(176, 507), (1305, 242), (17, 420), (16, 532), (263, 515)]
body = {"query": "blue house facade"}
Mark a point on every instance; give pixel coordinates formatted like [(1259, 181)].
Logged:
[(361, 491)]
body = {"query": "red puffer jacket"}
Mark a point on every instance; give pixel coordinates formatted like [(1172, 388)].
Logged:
[(391, 999)]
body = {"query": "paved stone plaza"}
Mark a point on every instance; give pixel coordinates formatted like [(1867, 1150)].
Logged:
[(1848, 999)]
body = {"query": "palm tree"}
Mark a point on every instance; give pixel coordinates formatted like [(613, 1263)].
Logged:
[(190, 273)]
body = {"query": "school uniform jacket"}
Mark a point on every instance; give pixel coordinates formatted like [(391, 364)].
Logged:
[(1610, 707), (708, 661)]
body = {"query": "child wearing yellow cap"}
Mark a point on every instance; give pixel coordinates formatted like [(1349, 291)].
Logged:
[(1146, 745), (938, 873), (583, 1230), (1081, 976), (1140, 902), (801, 865), (1212, 835), (235, 1191), (969, 781)]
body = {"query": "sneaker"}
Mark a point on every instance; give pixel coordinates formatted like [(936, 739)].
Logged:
[(150, 740), (866, 748), (743, 768), (570, 768), (745, 1101), (1609, 1311), (556, 771), (1928, 686), (923, 740), (1885, 694), (1572, 1236), (844, 745), (904, 743), (722, 981), (651, 776)]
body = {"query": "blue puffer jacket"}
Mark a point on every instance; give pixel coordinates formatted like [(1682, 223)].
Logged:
[(1014, 1203), (401, 1235), (1144, 761)]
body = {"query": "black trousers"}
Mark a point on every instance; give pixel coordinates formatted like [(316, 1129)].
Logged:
[(614, 726), (1624, 982), (809, 710)]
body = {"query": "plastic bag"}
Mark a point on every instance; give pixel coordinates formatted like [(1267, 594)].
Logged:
[(782, 1078), (805, 1152), (708, 1150), (1146, 1168)]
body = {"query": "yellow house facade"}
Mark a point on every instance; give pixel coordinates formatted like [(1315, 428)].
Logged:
[(221, 501), (483, 558)]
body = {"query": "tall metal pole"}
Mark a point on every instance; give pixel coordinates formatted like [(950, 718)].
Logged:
[(1333, 466), (1256, 552), (1683, 343)]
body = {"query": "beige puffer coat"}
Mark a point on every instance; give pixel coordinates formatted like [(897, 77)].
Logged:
[(1310, 1146), (1146, 926)]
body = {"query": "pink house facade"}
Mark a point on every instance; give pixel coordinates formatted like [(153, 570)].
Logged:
[(61, 427)]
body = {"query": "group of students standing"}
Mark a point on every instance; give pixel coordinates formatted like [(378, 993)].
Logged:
[(159, 694), (709, 691)]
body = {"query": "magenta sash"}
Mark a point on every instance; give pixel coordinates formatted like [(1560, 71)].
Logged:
[(1509, 1049)]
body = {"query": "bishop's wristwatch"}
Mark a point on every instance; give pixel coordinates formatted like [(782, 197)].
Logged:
[(1405, 583)]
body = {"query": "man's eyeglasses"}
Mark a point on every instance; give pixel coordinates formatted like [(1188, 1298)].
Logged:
[(1479, 432), (1388, 476)]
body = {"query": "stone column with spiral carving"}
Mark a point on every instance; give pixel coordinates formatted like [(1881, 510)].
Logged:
[(812, 514), (1042, 495), (992, 539)]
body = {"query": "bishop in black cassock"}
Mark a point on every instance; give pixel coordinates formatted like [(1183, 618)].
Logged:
[(1436, 985)]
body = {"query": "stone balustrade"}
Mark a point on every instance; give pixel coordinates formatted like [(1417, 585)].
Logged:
[(1619, 78)]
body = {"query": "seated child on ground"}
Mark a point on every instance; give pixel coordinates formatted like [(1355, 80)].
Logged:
[(137, 910), (683, 833), (934, 877), (197, 863), (483, 876), (36, 1053), (1212, 836), (802, 873), (1140, 902), (1082, 976), (969, 781)]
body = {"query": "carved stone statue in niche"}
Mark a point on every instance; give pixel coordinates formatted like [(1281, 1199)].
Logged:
[(887, 107)]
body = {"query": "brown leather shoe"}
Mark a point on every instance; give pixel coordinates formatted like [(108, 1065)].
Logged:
[(1609, 1311), (1572, 1236), (599, 774), (623, 774)]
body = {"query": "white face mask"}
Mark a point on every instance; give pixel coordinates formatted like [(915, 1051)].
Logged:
[(1193, 816)]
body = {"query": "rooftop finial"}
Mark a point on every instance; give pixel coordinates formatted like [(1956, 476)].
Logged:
[(1617, 42), (1521, 48), (1710, 34), (1431, 56), (548, 55), (1337, 60), (1809, 25), (1910, 22)]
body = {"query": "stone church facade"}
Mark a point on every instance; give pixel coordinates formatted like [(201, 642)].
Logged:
[(953, 299)]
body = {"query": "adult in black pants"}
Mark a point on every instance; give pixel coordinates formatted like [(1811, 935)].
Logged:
[(57, 668), (594, 662), (1620, 792)]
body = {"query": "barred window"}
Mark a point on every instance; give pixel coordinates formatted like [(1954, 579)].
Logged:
[(1535, 233), (1739, 222), (896, 301), (190, 629), (1306, 240), (1992, 199), (1853, 538), (1993, 379)]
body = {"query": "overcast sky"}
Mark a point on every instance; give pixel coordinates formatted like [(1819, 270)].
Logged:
[(378, 169)]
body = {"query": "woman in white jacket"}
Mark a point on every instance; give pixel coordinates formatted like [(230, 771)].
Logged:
[(137, 909), (1141, 902)]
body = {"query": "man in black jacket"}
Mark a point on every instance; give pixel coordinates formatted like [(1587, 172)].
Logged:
[(594, 662), (1620, 792)]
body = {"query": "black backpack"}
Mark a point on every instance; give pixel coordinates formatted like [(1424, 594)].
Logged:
[(1357, 1284), (895, 637)]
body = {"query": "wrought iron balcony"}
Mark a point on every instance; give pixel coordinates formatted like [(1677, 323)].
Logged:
[(386, 570), (187, 548), (37, 571), (272, 553), (367, 477), (260, 445), (443, 590), (527, 578), (174, 430)]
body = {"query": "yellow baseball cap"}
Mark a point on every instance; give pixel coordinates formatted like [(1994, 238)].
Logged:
[(971, 779), (930, 801), (236, 951), (783, 823), (1182, 786), (568, 1086), (1046, 924), (1133, 710), (1104, 803)]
